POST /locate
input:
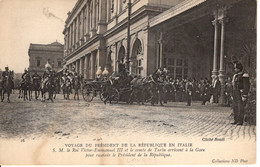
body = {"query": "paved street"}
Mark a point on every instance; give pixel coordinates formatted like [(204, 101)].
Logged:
[(73, 119)]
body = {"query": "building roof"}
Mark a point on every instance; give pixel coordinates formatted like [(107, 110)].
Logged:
[(55, 46)]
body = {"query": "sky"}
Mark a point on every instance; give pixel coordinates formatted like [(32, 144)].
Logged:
[(29, 21)]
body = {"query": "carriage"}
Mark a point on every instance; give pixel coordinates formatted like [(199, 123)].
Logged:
[(95, 88), (103, 89)]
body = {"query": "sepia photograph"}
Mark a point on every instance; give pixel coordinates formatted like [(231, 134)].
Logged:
[(128, 82)]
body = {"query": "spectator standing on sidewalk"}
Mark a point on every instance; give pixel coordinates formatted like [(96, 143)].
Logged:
[(241, 85), (216, 90), (188, 88)]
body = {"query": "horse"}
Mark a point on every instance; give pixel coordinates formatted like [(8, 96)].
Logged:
[(76, 86), (27, 89), (21, 90), (66, 88), (49, 87), (36, 87), (6, 87)]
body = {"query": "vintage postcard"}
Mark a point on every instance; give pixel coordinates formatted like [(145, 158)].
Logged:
[(128, 82)]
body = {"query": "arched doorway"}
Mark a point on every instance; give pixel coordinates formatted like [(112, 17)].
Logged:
[(136, 65)]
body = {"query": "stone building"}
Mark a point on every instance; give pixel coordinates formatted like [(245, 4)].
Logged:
[(40, 54), (192, 38)]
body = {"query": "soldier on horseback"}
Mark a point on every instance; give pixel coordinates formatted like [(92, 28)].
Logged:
[(46, 75), (5, 75), (26, 76), (7, 84), (36, 84), (36, 78)]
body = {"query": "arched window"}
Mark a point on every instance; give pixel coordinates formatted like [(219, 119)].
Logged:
[(136, 66), (121, 54)]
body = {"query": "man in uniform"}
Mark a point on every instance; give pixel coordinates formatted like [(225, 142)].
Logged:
[(205, 92), (36, 78), (46, 74), (188, 88), (5, 77), (25, 74), (241, 85)]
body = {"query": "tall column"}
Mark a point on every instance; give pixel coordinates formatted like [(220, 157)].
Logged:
[(89, 66), (87, 24), (215, 58), (94, 13), (221, 75), (80, 66), (161, 50), (102, 17), (85, 66), (77, 66), (81, 27), (108, 11), (93, 64), (101, 57), (78, 28)]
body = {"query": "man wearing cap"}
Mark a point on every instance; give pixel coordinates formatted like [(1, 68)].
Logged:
[(241, 85)]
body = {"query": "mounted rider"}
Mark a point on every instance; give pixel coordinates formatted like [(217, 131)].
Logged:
[(36, 78), (47, 74), (71, 74), (26, 76), (5, 75)]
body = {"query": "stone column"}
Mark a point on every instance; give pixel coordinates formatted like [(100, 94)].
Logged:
[(222, 76), (108, 11), (85, 66), (102, 17), (80, 65), (101, 57), (161, 49), (93, 64), (82, 27), (77, 66), (215, 58), (87, 23)]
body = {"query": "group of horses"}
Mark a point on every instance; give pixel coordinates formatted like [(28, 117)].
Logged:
[(26, 89), (51, 87)]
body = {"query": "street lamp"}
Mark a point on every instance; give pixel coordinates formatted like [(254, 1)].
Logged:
[(129, 4)]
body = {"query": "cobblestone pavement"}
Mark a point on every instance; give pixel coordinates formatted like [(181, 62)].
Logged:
[(72, 119)]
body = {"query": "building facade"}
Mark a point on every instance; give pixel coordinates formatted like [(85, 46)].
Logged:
[(40, 54), (192, 38)]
